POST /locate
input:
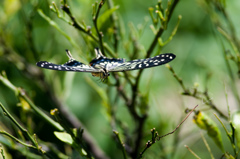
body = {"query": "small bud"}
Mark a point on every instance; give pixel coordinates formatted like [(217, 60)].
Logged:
[(148, 144), (150, 8), (54, 111)]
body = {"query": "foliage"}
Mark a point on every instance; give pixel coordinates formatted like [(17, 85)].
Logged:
[(51, 114)]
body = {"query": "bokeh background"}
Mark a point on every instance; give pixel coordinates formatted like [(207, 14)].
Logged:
[(27, 37)]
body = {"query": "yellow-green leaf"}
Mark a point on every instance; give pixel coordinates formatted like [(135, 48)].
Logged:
[(206, 123), (64, 137)]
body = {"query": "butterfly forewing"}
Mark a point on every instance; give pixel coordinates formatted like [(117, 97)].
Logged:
[(143, 63), (72, 65)]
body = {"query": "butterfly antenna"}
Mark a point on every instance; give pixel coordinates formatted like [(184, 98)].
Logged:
[(69, 55), (98, 53)]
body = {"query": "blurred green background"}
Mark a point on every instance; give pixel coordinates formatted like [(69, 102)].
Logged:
[(27, 36)]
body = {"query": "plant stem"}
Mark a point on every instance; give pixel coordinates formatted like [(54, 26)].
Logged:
[(115, 26), (121, 143), (100, 34), (17, 140), (25, 132)]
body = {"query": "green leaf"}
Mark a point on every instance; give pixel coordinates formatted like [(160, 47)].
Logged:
[(204, 122), (236, 125), (64, 137), (105, 16)]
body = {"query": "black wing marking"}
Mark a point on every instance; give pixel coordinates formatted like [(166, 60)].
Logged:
[(143, 63)]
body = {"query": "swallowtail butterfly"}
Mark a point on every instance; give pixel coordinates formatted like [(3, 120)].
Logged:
[(101, 65)]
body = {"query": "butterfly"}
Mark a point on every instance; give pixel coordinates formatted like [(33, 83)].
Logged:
[(101, 65)]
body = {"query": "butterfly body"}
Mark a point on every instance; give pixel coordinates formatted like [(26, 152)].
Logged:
[(101, 65)]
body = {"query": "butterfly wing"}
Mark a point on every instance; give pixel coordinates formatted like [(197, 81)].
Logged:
[(142, 63), (71, 65)]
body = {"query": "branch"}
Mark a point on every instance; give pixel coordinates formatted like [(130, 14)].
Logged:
[(25, 132), (87, 31), (204, 96), (152, 46), (121, 143), (95, 18), (115, 26), (160, 31), (156, 137), (17, 140)]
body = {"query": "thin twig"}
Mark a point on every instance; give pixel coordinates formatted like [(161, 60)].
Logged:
[(100, 34), (121, 90), (17, 140), (151, 142), (185, 91), (115, 26), (67, 10), (208, 147), (24, 131), (87, 31), (204, 96), (160, 31), (158, 138), (229, 135), (194, 154), (121, 143)]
